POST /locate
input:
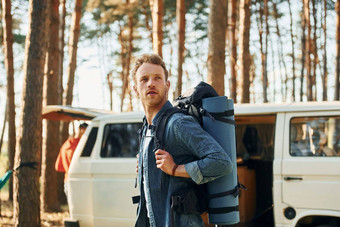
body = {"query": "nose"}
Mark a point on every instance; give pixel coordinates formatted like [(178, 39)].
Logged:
[(151, 82)]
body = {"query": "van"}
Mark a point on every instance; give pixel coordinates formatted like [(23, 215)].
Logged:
[(288, 157)]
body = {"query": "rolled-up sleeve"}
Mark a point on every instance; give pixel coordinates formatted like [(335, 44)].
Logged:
[(212, 161)]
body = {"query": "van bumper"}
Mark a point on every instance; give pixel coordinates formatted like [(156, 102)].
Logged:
[(71, 223)]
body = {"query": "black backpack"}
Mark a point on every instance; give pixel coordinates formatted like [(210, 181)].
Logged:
[(195, 200)]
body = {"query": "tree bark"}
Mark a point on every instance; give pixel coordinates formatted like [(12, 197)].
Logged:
[(282, 62), (337, 58), (314, 51), (63, 126), (157, 9), (217, 39), (233, 49), (10, 113), (303, 51), (325, 71), (180, 17), (308, 52), (293, 51), (72, 53), (245, 13), (26, 180), (51, 93)]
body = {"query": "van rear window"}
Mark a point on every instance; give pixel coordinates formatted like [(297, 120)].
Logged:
[(315, 136), (91, 140), (120, 140)]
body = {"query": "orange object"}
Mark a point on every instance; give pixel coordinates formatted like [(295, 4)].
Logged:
[(64, 158)]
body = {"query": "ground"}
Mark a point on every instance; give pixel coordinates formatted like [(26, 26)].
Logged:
[(47, 219)]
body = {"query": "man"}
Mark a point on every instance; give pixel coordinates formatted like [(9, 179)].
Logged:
[(191, 155), (66, 152)]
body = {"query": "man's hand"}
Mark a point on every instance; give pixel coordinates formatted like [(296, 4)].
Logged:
[(164, 161)]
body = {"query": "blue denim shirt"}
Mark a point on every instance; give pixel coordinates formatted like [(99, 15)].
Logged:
[(189, 144)]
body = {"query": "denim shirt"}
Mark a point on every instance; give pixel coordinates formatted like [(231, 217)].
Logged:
[(189, 144)]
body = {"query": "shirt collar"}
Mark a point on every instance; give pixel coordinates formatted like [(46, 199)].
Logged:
[(166, 106)]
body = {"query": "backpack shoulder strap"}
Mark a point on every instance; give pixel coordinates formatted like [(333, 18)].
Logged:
[(161, 125)]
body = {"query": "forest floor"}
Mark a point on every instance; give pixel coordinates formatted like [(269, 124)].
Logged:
[(54, 219)]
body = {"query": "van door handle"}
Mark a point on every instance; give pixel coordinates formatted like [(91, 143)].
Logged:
[(292, 178)]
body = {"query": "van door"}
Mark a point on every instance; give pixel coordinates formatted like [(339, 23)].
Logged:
[(311, 161), (114, 174)]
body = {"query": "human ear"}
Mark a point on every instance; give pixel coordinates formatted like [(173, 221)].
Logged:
[(135, 89)]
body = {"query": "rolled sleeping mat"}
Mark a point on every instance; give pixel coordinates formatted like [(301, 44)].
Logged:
[(223, 210)]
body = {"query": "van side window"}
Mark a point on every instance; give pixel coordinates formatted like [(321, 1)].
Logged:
[(120, 140), (315, 136), (255, 137), (91, 140)]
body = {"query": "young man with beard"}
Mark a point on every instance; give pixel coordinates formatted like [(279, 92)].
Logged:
[(191, 155)]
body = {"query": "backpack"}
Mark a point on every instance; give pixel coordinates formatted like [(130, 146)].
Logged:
[(195, 200)]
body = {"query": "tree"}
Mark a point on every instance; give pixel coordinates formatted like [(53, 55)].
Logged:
[(63, 134), (217, 39), (157, 9), (10, 109), (233, 48), (72, 53), (337, 58), (245, 60), (325, 71), (28, 147), (126, 89), (293, 50), (303, 50), (180, 17), (52, 97), (263, 27), (308, 51), (282, 62)]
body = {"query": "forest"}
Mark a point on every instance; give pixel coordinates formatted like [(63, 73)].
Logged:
[(253, 51)]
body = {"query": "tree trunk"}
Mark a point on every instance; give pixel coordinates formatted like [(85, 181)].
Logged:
[(51, 95), (325, 71), (72, 53), (3, 131), (265, 71), (233, 49), (303, 50), (26, 180), (314, 51), (128, 62), (180, 17), (293, 51), (308, 52), (337, 58), (217, 39), (147, 25), (109, 80), (10, 113), (245, 13), (282, 62), (123, 51), (157, 9), (63, 126)]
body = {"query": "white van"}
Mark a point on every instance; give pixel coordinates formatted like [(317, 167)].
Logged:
[(288, 158)]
